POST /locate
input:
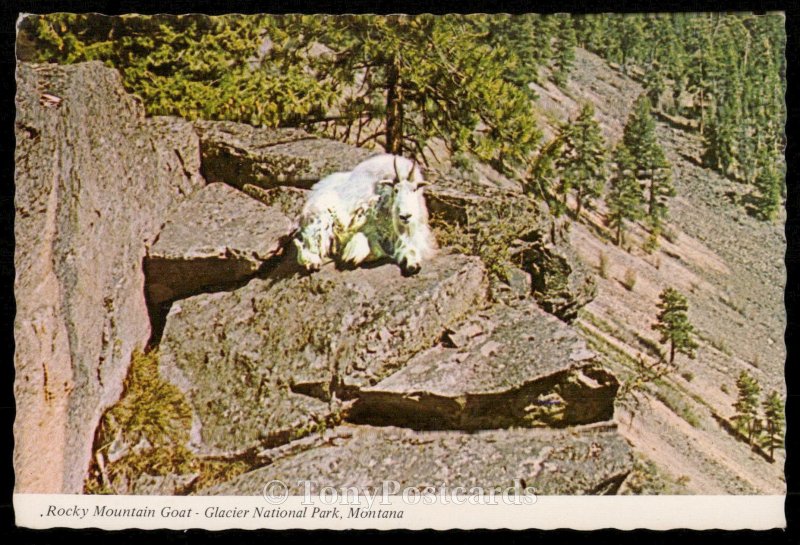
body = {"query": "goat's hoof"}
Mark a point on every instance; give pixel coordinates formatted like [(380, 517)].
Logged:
[(409, 270)]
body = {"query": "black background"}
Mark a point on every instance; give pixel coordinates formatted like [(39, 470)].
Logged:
[(11, 534)]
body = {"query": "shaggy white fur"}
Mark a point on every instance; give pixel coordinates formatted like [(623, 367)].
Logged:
[(376, 210)]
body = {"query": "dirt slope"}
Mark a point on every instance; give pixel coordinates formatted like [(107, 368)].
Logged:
[(730, 267)]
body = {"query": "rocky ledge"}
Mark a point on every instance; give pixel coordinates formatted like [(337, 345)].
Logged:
[(587, 460), (133, 231)]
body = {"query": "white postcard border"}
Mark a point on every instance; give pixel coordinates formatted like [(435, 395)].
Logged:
[(39, 511)]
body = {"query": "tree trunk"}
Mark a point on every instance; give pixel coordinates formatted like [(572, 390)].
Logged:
[(394, 110), (619, 231), (770, 438), (579, 201), (702, 112), (671, 352)]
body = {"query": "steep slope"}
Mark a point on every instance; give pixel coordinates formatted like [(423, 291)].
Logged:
[(730, 267)]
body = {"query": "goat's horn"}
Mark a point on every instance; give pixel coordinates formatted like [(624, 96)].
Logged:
[(396, 174)]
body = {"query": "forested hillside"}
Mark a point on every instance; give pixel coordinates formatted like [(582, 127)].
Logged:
[(403, 82), (623, 173)]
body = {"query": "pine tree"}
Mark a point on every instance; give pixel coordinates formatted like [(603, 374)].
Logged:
[(747, 405), (652, 167), (582, 158), (775, 418), (565, 46), (768, 185), (673, 324), (631, 38), (394, 81), (624, 199), (731, 67)]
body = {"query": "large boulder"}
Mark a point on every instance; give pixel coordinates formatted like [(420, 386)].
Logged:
[(561, 282), (215, 238), (239, 154), (94, 180), (557, 278), (586, 460), (503, 367), (266, 363)]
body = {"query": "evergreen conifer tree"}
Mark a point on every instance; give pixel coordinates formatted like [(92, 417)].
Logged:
[(673, 324), (768, 185), (624, 199), (581, 163), (775, 418), (746, 405), (652, 167)]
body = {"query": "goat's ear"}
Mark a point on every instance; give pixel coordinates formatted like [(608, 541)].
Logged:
[(423, 183), (386, 182)]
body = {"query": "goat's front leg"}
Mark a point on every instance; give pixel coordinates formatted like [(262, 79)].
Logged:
[(314, 242), (408, 257), (356, 250)]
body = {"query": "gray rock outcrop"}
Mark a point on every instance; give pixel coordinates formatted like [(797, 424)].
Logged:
[(589, 460), (217, 236), (114, 222), (502, 367), (94, 180), (554, 274), (562, 284), (260, 365), (239, 154)]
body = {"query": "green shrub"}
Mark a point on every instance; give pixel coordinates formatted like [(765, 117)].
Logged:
[(651, 244), (602, 266), (490, 231), (629, 281), (150, 424)]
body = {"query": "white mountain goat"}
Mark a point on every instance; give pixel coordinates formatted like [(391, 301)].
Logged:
[(374, 211)]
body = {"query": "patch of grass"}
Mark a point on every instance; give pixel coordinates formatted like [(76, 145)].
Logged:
[(651, 347), (722, 346), (213, 472), (647, 479), (670, 234), (490, 232), (463, 161), (731, 304), (724, 388), (148, 428), (629, 280), (602, 265), (601, 324), (688, 376), (613, 354), (671, 399), (651, 244)]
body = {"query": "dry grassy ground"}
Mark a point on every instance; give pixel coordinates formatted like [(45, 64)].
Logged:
[(730, 267)]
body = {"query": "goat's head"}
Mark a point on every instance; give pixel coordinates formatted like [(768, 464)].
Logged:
[(403, 194)]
